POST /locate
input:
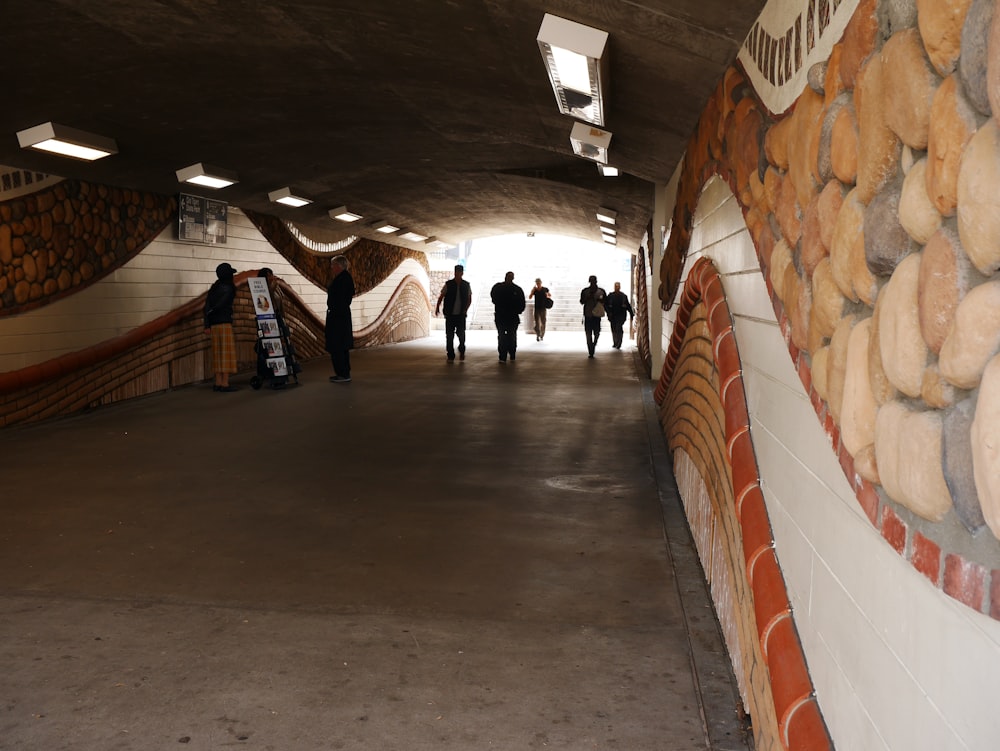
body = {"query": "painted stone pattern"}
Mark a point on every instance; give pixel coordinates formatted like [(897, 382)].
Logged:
[(873, 203), (61, 239)]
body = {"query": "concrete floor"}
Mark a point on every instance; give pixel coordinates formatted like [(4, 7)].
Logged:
[(435, 556)]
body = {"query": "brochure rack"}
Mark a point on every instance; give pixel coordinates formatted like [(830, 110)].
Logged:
[(275, 353)]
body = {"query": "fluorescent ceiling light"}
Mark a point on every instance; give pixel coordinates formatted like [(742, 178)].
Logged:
[(606, 215), (608, 230), (607, 171), (58, 139), (342, 214), (209, 177), (590, 142), (610, 240), (285, 196), (385, 227), (577, 66), (413, 236)]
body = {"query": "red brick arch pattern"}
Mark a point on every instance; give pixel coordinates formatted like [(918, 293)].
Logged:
[(166, 353), (704, 412)]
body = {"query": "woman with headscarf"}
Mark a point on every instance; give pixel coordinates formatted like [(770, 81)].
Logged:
[(219, 324)]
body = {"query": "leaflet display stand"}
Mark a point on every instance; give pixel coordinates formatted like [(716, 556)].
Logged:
[(275, 354)]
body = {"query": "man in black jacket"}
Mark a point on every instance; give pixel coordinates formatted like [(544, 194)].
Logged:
[(456, 294), (592, 300), (508, 304)]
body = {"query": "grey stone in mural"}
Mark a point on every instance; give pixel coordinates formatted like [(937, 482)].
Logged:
[(886, 241), (896, 15), (972, 64), (956, 447)]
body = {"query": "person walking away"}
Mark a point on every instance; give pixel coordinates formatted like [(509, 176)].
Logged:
[(618, 307), (456, 294), (540, 294), (219, 325), (508, 304), (592, 299), (339, 328)]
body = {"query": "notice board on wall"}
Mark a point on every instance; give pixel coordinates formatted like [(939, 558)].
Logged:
[(201, 220)]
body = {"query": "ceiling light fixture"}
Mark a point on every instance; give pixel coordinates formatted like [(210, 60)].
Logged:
[(207, 176), (605, 229), (343, 215), (385, 228), (59, 139), (577, 66), (606, 215), (610, 240), (413, 237), (590, 142), (285, 196), (607, 171)]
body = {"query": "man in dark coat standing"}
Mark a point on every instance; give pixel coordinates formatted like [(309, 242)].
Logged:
[(339, 327), (508, 304)]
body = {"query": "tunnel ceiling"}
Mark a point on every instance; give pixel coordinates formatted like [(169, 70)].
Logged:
[(434, 115)]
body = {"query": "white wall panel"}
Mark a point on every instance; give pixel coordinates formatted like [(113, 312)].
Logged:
[(851, 718), (738, 255), (764, 345), (748, 298)]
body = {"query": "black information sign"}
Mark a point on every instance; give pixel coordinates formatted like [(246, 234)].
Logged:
[(202, 220)]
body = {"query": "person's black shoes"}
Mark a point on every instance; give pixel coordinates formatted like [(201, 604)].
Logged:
[(340, 379)]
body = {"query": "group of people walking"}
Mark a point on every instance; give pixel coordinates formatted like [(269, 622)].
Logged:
[(509, 302)]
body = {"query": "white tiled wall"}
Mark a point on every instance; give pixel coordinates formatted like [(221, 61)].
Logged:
[(897, 664), (165, 275)]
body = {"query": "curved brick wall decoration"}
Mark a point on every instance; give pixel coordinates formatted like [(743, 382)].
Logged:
[(371, 262), (404, 317), (168, 352), (873, 209), (704, 415), (173, 351), (642, 310), (61, 239)]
